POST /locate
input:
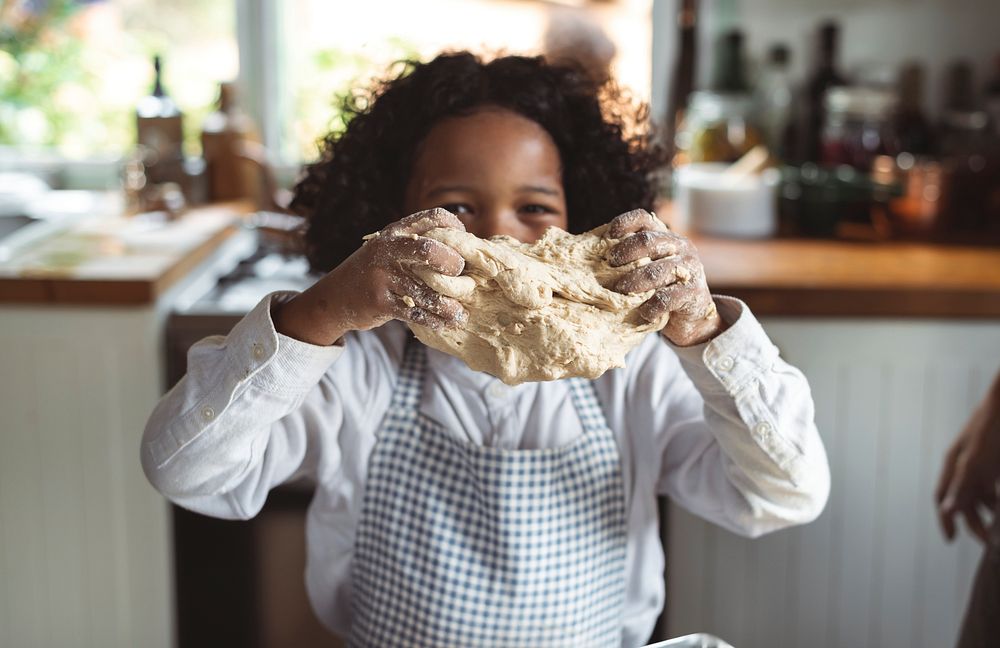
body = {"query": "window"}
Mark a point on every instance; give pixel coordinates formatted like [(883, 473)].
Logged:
[(72, 71), (326, 47)]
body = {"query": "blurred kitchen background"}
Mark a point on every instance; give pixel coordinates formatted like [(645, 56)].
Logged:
[(837, 164)]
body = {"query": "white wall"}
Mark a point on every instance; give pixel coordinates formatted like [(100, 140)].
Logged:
[(933, 32)]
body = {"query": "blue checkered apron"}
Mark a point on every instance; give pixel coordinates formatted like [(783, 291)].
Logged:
[(462, 545)]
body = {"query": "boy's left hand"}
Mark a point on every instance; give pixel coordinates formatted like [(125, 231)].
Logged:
[(674, 272)]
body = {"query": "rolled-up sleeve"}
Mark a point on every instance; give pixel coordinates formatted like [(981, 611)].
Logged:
[(735, 433), (254, 408)]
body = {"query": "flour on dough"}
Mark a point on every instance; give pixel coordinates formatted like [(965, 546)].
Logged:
[(538, 311)]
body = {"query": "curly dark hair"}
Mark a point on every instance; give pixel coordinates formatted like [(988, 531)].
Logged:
[(357, 185)]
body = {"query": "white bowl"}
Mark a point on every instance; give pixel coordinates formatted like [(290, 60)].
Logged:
[(711, 203)]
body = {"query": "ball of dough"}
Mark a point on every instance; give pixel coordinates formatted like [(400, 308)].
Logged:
[(538, 311)]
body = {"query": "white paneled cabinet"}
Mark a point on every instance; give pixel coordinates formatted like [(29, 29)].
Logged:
[(85, 549), (83, 538), (873, 570)]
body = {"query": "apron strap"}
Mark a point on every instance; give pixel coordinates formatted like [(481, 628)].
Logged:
[(587, 405)]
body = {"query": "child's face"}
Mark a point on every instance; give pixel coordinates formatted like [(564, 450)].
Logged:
[(499, 172)]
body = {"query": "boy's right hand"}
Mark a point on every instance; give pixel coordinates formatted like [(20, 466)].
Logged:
[(375, 285)]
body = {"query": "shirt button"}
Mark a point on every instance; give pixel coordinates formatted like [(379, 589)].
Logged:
[(208, 413), (725, 363), (258, 351), (763, 429)]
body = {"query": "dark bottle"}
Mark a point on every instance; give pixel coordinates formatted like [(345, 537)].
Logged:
[(685, 67), (912, 129), (964, 126), (823, 77), (160, 131), (959, 94), (992, 103), (774, 102), (729, 75), (965, 150), (992, 97)]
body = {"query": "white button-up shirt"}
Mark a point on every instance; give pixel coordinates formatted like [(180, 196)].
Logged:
[(726, 429)]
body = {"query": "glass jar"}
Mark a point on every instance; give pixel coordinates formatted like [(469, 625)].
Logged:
[(858, 126), (716, 128), (913, 188)]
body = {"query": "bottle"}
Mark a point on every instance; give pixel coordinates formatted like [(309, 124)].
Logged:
[(224, 135), (992, 103), (992, 98), (719, 123), (774, 102), (858, 126), (964, 125), (912, 129), (729, 75), (717, 127), (965, 151), (824, 76), (685, 66), (160, 132)]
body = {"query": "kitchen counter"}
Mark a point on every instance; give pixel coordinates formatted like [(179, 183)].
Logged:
[(805, 277), (112, 260), (84, 300), (130, 261)]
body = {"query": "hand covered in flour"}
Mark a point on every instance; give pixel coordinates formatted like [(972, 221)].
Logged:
[(380, 282), (673, 271)]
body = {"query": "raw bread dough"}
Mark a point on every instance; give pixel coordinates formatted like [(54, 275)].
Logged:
[(538, 311)]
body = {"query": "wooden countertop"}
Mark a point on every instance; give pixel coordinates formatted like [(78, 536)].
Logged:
[(116, 260), (804, 277), (120, 261)]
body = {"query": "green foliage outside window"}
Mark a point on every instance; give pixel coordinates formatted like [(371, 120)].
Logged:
[(325, 77), (40, 76), (72, 72)]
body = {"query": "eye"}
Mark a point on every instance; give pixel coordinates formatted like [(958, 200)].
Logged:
[(459, 209), (537, 209)]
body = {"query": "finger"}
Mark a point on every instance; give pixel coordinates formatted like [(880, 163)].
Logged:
[(666, 300), (402, 309), (435, 255), (423, 296), (946, 518), (653, 245), (637, 220), (989, 497), (658, 305), (974, 521), (654, 275), (424, 221), (954, 502), (947, 472)]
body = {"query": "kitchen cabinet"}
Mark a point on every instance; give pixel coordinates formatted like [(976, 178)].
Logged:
[(85, 555), (899, 342)]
